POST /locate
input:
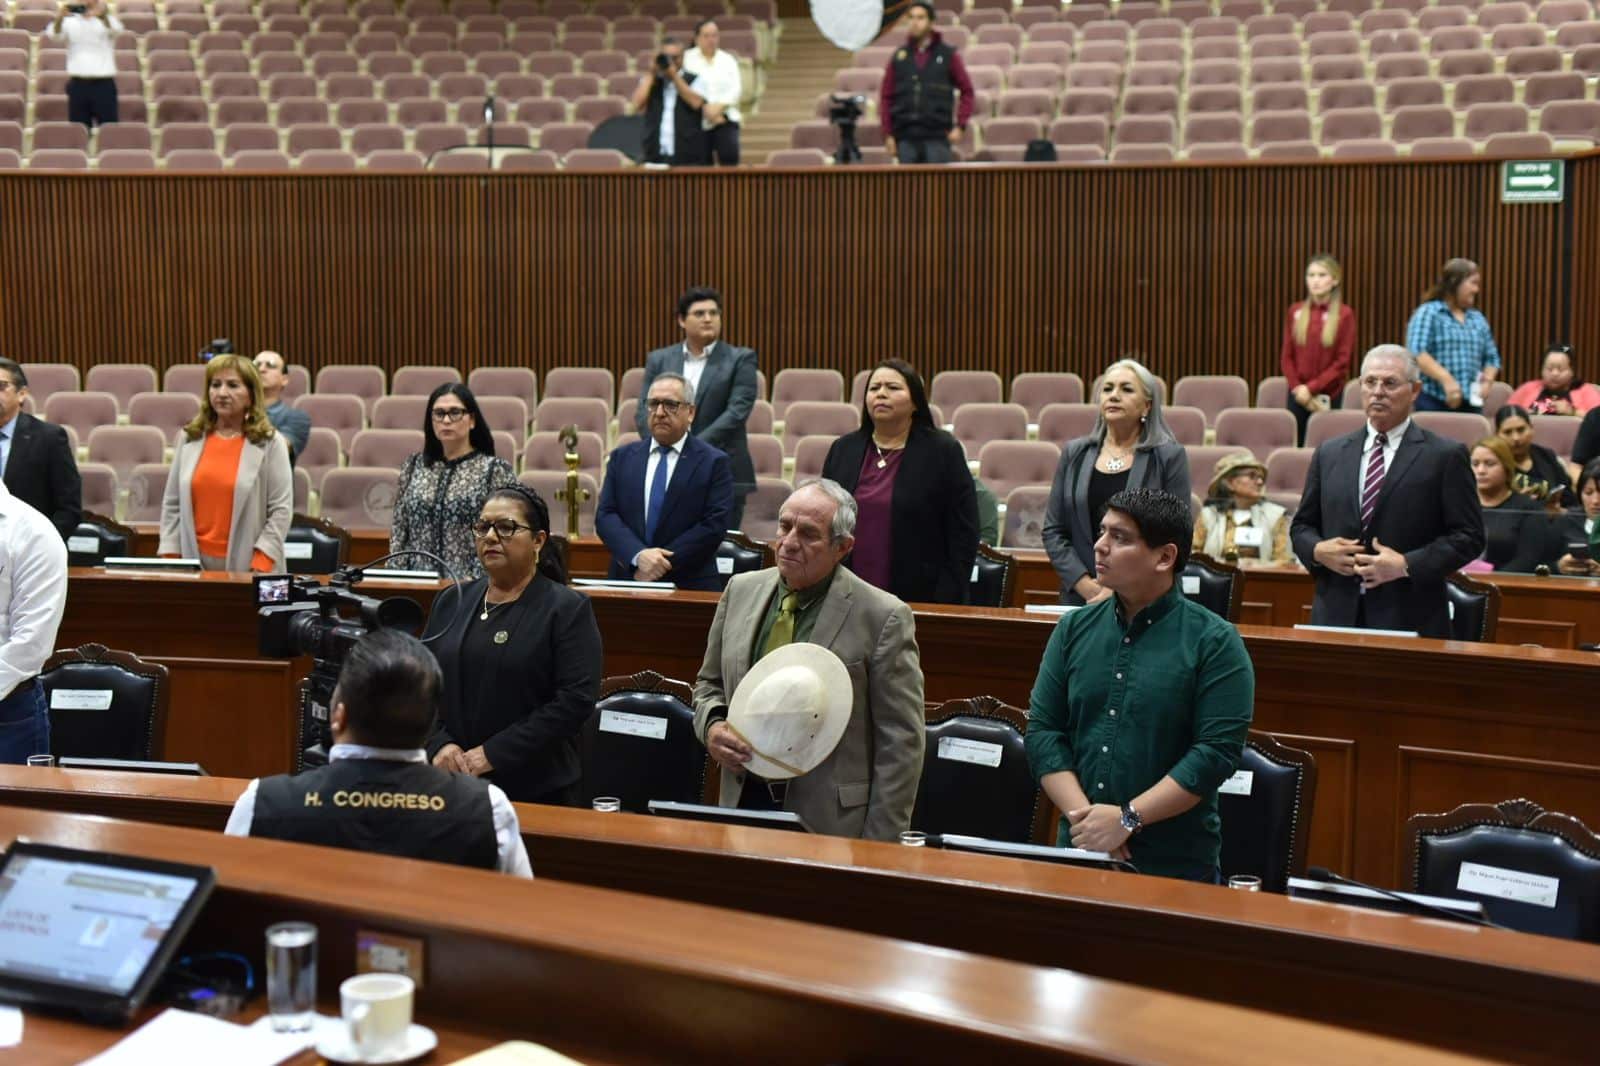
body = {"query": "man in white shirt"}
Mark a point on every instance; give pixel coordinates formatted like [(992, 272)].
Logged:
[(722, 86), (378, 792), (33, 594), (89, 30)]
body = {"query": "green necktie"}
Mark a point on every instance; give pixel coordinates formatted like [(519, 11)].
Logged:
[(782, 631)]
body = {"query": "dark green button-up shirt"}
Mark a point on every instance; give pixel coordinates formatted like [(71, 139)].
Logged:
[(808, 604), (1124, 704)]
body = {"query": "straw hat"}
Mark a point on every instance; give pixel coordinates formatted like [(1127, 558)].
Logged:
[(1230, 465), (792, 708)]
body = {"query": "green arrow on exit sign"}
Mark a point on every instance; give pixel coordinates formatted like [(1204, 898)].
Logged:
[(1533, 181)]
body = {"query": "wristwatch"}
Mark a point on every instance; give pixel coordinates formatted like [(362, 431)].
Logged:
[(1131, 820)]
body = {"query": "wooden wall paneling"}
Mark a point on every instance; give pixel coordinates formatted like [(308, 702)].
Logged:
[(1011, 268), (1583, 223), (1333, 815), (236, 717), (1436, 781)]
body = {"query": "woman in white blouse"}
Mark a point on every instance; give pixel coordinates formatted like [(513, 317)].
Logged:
[(722, 86)]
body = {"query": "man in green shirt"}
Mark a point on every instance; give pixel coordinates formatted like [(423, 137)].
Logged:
[(1143, 701)]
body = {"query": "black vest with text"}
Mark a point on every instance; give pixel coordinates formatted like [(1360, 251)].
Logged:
[(406, 809), (923, 106)]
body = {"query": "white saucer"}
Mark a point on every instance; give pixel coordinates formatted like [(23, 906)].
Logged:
[(419, 1041)]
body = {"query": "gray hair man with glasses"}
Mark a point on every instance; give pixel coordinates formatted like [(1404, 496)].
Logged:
[(1388, 511), (666, 500)]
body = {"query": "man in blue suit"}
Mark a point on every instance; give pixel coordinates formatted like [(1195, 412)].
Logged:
[(666, 500)]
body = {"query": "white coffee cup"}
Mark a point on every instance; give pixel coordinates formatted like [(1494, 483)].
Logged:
[(377, 1009)]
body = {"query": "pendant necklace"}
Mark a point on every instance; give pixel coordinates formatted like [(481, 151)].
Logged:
[(483, 615), (883, 460)]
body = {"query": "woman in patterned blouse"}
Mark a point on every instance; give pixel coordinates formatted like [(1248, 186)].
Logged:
[(443, 487)]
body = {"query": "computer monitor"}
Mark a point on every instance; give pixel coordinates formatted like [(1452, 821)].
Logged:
[(1096, 860), (1414, 903), (700, 812), (134, 766), (91, 932)]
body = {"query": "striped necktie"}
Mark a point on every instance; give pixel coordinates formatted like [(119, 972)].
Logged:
[(1369, 496)]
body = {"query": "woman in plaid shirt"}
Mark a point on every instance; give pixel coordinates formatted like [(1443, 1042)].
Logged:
[(1452, 342)]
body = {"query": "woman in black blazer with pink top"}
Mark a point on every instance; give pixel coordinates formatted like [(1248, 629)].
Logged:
[(917, 508)]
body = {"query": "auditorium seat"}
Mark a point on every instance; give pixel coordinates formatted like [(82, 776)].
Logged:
[(1004, 465), (1211, 393), (594, 159), (515, 381), (83, 411), (1258, 429), (506, 414), (1574, 122), (47, 379), (809, 453), (1466, 427), (544, 451), (384, 447), (1036, 390), (145, 485), (1326, 425), (400, 412), (344, 414), (1272, 391), (361, 380), (528, 161), (573, 381), (1024, 517), (798, 157), (1441, 148), (323, 452), (552, 486), (1188, 424), (124, 447), (422, 380), (359, 497), (1286, 474), (121, 380), (1061, 422), (766, 452), (808, 384), (100, 489), (168, 412), (810, 417), (125, 159), (976, 424), (950, 389), (761, 508), (1203, 460)]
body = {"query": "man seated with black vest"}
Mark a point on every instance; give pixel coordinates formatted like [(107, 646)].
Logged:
[(378, 791)]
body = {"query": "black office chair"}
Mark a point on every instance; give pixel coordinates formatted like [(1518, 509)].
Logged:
[(994, 576), (975, 776), (105, 704), (1213, 584), (639, 745), (1266, 817), (740, 554), (1514, 847), (1474, 608), (96, 538), (315, 546)]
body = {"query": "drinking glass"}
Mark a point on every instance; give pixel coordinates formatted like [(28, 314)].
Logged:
[(292, 975)]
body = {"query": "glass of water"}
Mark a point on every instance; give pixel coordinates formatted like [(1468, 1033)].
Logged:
[(42, 760), (1245, 883), (292, 975), (607, 803)]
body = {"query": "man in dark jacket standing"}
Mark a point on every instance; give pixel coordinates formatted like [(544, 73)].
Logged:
[(917, 106), (671, 109)]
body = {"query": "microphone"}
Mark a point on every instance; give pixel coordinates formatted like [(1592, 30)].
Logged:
[(488, 110), (1322, 873)]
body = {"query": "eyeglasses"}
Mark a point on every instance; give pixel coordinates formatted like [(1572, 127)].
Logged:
[(669, 406), (504, 528), (1383, 384), (1253, 475), (449, 414)]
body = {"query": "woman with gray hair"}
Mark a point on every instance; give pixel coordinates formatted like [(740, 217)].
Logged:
[(1130, 447)]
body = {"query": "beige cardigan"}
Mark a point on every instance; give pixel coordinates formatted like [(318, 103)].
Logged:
[(263, 503)]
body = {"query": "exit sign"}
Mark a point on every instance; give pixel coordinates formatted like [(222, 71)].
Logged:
[(1533, 181)]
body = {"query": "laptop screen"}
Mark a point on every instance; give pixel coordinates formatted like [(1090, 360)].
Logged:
[(80, 924)]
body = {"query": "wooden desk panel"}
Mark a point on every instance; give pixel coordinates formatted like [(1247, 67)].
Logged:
[(1353, 700), (1314, 961), (640, 979)]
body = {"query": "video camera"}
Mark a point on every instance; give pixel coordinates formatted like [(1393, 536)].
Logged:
[(298, 616), (845, 112), (219, 346)]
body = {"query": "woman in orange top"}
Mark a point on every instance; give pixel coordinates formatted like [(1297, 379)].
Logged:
[(1319, 338), (230, 491)]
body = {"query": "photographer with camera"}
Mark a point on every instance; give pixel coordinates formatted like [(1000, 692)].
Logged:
[(672, 111), (378, 792), (88, 28), (916, 103)]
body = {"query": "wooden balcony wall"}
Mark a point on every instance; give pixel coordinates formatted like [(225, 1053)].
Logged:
[(1012, 268)]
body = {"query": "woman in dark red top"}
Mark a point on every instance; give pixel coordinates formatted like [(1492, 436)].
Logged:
[(1319, 337)]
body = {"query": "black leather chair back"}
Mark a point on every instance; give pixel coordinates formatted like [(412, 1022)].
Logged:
[(1474, 608), (976, 781), (105, 704), (1530, 859), (315, 546), (739, 554), (1266, 813), (95, 538), (993, 575), (640, 746), (1213, 585)]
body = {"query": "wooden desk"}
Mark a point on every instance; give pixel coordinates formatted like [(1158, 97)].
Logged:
[(1445, 984), (1553, 612), (634, 979), (1398, 726)]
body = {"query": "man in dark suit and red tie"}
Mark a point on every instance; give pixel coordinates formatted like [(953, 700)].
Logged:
[(666, 499), (1388, 511)]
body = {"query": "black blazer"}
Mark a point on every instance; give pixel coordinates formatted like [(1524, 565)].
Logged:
[(541, 685), (933, 514), (722, 403), (1427, 510), (42, 472)]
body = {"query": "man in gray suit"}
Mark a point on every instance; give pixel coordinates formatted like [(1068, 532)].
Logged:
[(722, 377), (867, 787)]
